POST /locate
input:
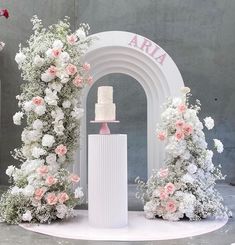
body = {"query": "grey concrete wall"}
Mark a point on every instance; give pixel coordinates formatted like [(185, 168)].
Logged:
[(199, 36)]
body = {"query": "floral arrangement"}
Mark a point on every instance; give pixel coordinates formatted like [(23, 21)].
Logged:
[(185, 187), (4, 13), (51, 65)]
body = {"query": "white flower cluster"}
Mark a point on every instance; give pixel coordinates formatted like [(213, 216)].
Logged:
[(185, 188), (50, 101)]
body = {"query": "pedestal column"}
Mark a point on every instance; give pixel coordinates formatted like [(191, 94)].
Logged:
[(107, 180)]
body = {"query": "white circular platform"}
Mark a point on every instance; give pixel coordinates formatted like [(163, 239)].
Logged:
[(139, 228)]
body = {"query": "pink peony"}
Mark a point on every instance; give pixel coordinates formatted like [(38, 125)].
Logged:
[(170, 188), (38, 194), (42, 170), (188, 129), (61, 150), (86, 66), (51, 199), (179, 124), (182, 108), (72, 39), (52, 71), (179, 135), (50, 180), (74, 178), (38, 100), (71, 69), (163, 195), (90, 80), (161, 135), (56, 52), (171, 206), (163, 173), (62, 197), (77, 81)]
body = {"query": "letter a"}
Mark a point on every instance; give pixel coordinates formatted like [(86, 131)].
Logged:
[(133, 42)]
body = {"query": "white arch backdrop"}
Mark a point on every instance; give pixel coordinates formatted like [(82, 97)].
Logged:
[(150, 65)]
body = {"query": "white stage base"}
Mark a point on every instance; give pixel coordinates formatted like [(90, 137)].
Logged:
[(107, 180), (138, 229)]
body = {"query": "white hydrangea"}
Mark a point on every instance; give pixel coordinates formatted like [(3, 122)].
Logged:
[(28, 106), (209, 123), (59, 127), (37, 124), (38, 61), (56, 86), (40, 110), (64, 57), (188, 178), (51, 158), (20, 58), (218, 145), (192, 168), (66, 104), (57, 44), (28, 190), (45, 77), (51, 97), (17, 118), (48, 140), (61, 211), (27, 216), (10, 170), (16, 190)]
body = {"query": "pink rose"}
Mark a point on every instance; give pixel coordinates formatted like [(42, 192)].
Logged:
[(77, 81), (182, 108), (86, 67), (52, 71), (170, 188), (51, 199), (161, 135), (42, 170), (61, 150), (90, 80), (163, 195), (72, 39), (38, 194), (50, 180), (62, 197), (171, 206), (74, 178), (188, 129), (56, 52), (38, 100), (179, 135), (163, 173), (71, 69), (179, 124)]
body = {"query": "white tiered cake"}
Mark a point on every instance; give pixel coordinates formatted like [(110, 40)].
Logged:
[(105, 109)]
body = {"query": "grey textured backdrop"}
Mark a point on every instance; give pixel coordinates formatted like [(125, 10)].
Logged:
[(198, 35)]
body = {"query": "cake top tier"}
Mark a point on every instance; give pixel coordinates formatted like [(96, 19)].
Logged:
[(105, 95)]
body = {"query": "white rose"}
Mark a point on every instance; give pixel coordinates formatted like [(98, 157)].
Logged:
[(45, 77), (37, 124), (51, 97), (81, 34), (17, 118), (40, 110), (10, 170), (38, 61), (209, 123), (64, 57), (57, 44), (66, 104), (51, 158), (48, 140), (59, 127), (37, 152), (77, 113), (20, 58), (28, 191), (56, 86), (28, 106), (27, 216), (192, 168), (49, 53), (78, 193), (218, 145), (16, 190)]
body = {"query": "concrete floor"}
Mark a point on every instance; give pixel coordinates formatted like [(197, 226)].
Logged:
[(14, 235)]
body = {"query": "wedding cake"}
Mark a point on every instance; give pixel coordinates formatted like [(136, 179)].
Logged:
[(105, 109)]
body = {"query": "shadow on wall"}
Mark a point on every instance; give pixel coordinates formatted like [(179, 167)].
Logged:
[(131, 111)]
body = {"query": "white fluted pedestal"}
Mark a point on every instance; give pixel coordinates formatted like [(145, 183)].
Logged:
[(107, 180)]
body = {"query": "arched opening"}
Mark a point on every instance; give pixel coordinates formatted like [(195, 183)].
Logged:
[(131, 104)]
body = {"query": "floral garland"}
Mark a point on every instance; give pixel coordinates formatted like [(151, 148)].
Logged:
[(3, 13), (185, 188), (51, 64)]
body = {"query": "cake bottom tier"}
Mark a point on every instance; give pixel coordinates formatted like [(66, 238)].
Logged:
[(105, 112)]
